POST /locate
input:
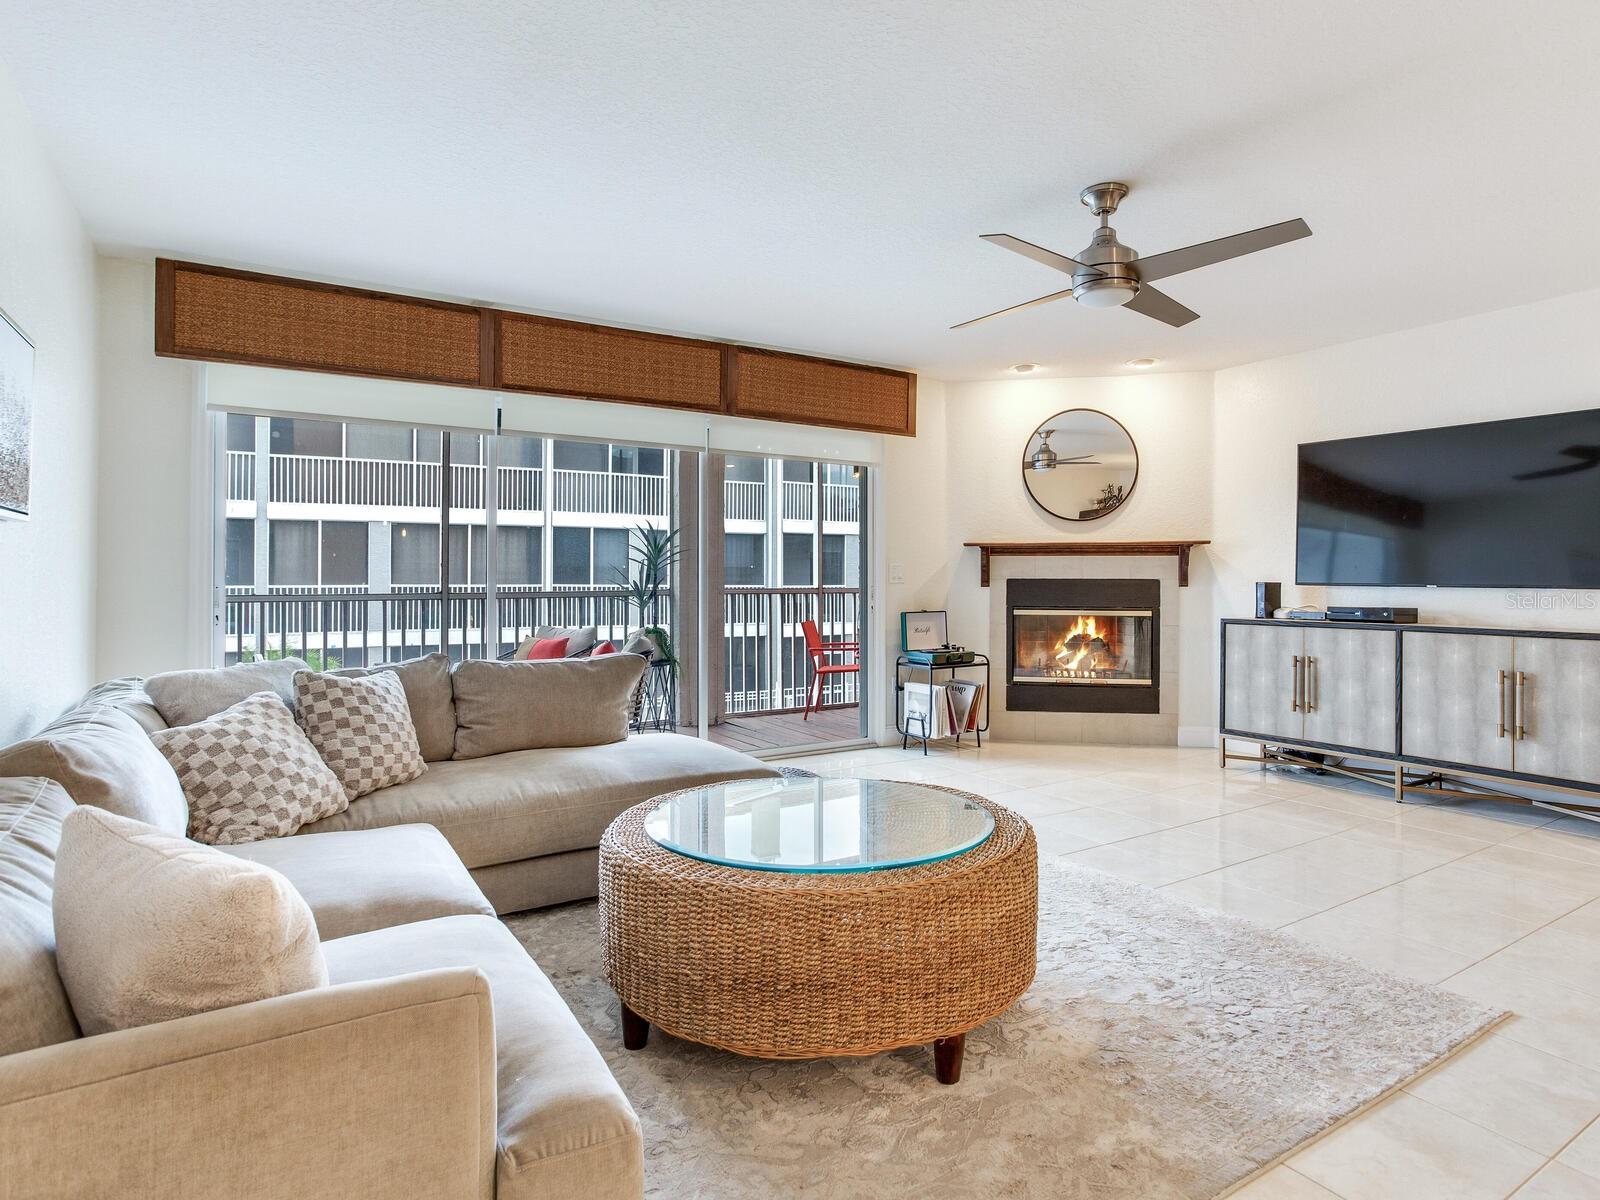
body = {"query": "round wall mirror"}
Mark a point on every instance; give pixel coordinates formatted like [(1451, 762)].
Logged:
[(1080, 465)]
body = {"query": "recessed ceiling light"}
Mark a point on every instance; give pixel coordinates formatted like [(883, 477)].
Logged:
[(1142, 363), (1024, 368)]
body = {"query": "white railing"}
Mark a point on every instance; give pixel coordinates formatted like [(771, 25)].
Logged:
[(241, 475), (841, 502), (618, 492), (799, 501), (521, 489), (744, 500), (380, 482)]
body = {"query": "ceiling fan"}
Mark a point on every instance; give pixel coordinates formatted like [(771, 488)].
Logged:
[(1106, 273), (1587, 458)]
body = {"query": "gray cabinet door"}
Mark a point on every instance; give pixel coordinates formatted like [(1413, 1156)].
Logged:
[(1350, 688), (1259, 690), (1452, 698), (1560, 712)]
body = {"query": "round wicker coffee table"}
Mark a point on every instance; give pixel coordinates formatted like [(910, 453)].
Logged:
[(839, 956)]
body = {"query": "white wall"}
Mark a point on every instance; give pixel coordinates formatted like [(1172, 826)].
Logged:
[(1540, 358), (151, 481), (960, 480), (47, 568)]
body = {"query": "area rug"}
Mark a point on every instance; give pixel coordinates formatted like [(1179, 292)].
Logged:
[(1163, 1053)]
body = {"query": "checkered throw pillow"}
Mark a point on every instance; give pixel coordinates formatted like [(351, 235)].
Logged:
[(361, 726), (249, 773)]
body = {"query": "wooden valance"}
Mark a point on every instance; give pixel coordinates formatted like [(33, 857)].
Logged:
[(222, 315), (1180, 550)]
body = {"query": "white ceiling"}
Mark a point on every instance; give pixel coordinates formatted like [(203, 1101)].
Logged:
[(815, 175)]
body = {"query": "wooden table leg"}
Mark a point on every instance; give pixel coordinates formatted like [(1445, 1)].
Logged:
[(947, 1058), (635, 1029)]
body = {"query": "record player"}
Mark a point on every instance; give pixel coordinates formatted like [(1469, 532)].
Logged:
[(946, 655)]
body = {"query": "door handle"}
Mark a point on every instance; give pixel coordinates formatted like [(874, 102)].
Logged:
[(1500, 725), (1518, 707), (1313, 685), (1298, 684)]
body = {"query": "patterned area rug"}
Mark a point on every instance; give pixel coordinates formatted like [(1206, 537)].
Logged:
[(1163, 1053)]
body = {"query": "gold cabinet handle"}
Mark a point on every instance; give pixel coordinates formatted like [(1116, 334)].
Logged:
[(1313, 684), (1500, 725), (1294, 704), (1519, 708)]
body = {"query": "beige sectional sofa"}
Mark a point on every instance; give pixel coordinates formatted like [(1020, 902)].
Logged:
[(438, 1062)]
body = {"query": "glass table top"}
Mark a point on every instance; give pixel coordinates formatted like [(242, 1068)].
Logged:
[(818, 825)]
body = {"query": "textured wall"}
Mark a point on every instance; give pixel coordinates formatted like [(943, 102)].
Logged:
[(47, 563)]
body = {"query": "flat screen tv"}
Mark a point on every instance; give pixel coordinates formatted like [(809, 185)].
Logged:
[(1501, 504)]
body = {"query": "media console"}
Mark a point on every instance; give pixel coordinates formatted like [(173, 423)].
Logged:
[(1437, 710)]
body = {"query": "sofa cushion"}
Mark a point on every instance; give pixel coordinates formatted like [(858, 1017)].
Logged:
[(150, 927), (184, 697), (564, 1127), (101, 757), (506, 706), (579, 639), (533, 802), (372, 878), (428, 692), (249, 772), (361, 727), (34, 1010), (126, 695)]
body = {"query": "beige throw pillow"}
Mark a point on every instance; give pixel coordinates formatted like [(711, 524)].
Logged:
[(150, 927), (361, 727), (433, 705), (184, 697), (250, 773), (101, 757), (503, 706)]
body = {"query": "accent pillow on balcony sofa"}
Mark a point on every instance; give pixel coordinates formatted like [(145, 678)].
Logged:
[(150, 927), (428, 693), (505, 706), (361, 727), (250, 773), (184, 697), (101, 757), (580, 639)]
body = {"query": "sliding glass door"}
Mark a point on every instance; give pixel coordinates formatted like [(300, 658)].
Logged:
[(351, 544)]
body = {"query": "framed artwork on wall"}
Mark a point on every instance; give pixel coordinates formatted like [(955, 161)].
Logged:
[(16, 419), (923, 630)]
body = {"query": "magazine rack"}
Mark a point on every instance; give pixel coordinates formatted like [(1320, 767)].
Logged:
[(906, 677)]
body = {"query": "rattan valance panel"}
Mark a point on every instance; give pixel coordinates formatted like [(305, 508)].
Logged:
[(569, 358), (238, 317), (815, 391), (221, 315)]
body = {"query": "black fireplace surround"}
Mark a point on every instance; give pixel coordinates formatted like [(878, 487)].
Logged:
[(1089, 596)]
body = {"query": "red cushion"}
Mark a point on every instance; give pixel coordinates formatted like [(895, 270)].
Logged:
[(548, 648), (602, 648)]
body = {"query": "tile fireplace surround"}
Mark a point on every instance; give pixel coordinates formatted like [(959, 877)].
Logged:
[(1158, 728)]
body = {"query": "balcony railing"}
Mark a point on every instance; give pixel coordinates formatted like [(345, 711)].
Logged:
[(241, 475), (379, 482), (799, 501), (841, 502), (744, 500), (767, 668), (609, 492)]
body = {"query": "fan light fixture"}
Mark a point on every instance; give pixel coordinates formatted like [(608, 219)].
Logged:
[(1143, 364), (1044, 458), (1023, 368)]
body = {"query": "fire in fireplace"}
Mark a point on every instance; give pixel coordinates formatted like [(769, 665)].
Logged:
[(1068, 646)]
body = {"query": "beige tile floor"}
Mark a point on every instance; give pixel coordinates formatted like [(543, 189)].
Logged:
[(1497, 902)]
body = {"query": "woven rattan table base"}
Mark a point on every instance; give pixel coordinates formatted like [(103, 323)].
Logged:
[(779, 965)]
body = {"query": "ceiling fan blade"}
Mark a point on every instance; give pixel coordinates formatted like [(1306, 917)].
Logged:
[(1151, 303), (1203, 254), (1038, 253), (1014, 308)]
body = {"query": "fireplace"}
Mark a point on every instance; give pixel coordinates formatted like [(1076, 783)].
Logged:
[(1083, 645)]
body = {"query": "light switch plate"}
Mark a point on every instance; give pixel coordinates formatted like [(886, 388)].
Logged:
[(897, 573)]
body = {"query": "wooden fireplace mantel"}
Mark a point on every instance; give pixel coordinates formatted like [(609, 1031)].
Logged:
[(1179, 550)]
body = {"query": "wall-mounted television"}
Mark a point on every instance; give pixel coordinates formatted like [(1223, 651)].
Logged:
[(1499, 504)]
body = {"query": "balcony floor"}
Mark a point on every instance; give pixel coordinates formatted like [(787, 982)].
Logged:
[(785, 730)]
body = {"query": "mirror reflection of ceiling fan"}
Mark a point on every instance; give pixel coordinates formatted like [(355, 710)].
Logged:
[(1106, 274), (1588, 458), (1046, 459)]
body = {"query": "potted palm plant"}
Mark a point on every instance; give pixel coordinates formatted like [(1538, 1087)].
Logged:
[(652, 553)]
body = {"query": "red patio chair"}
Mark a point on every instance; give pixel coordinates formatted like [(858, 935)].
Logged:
[(819, 651)]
